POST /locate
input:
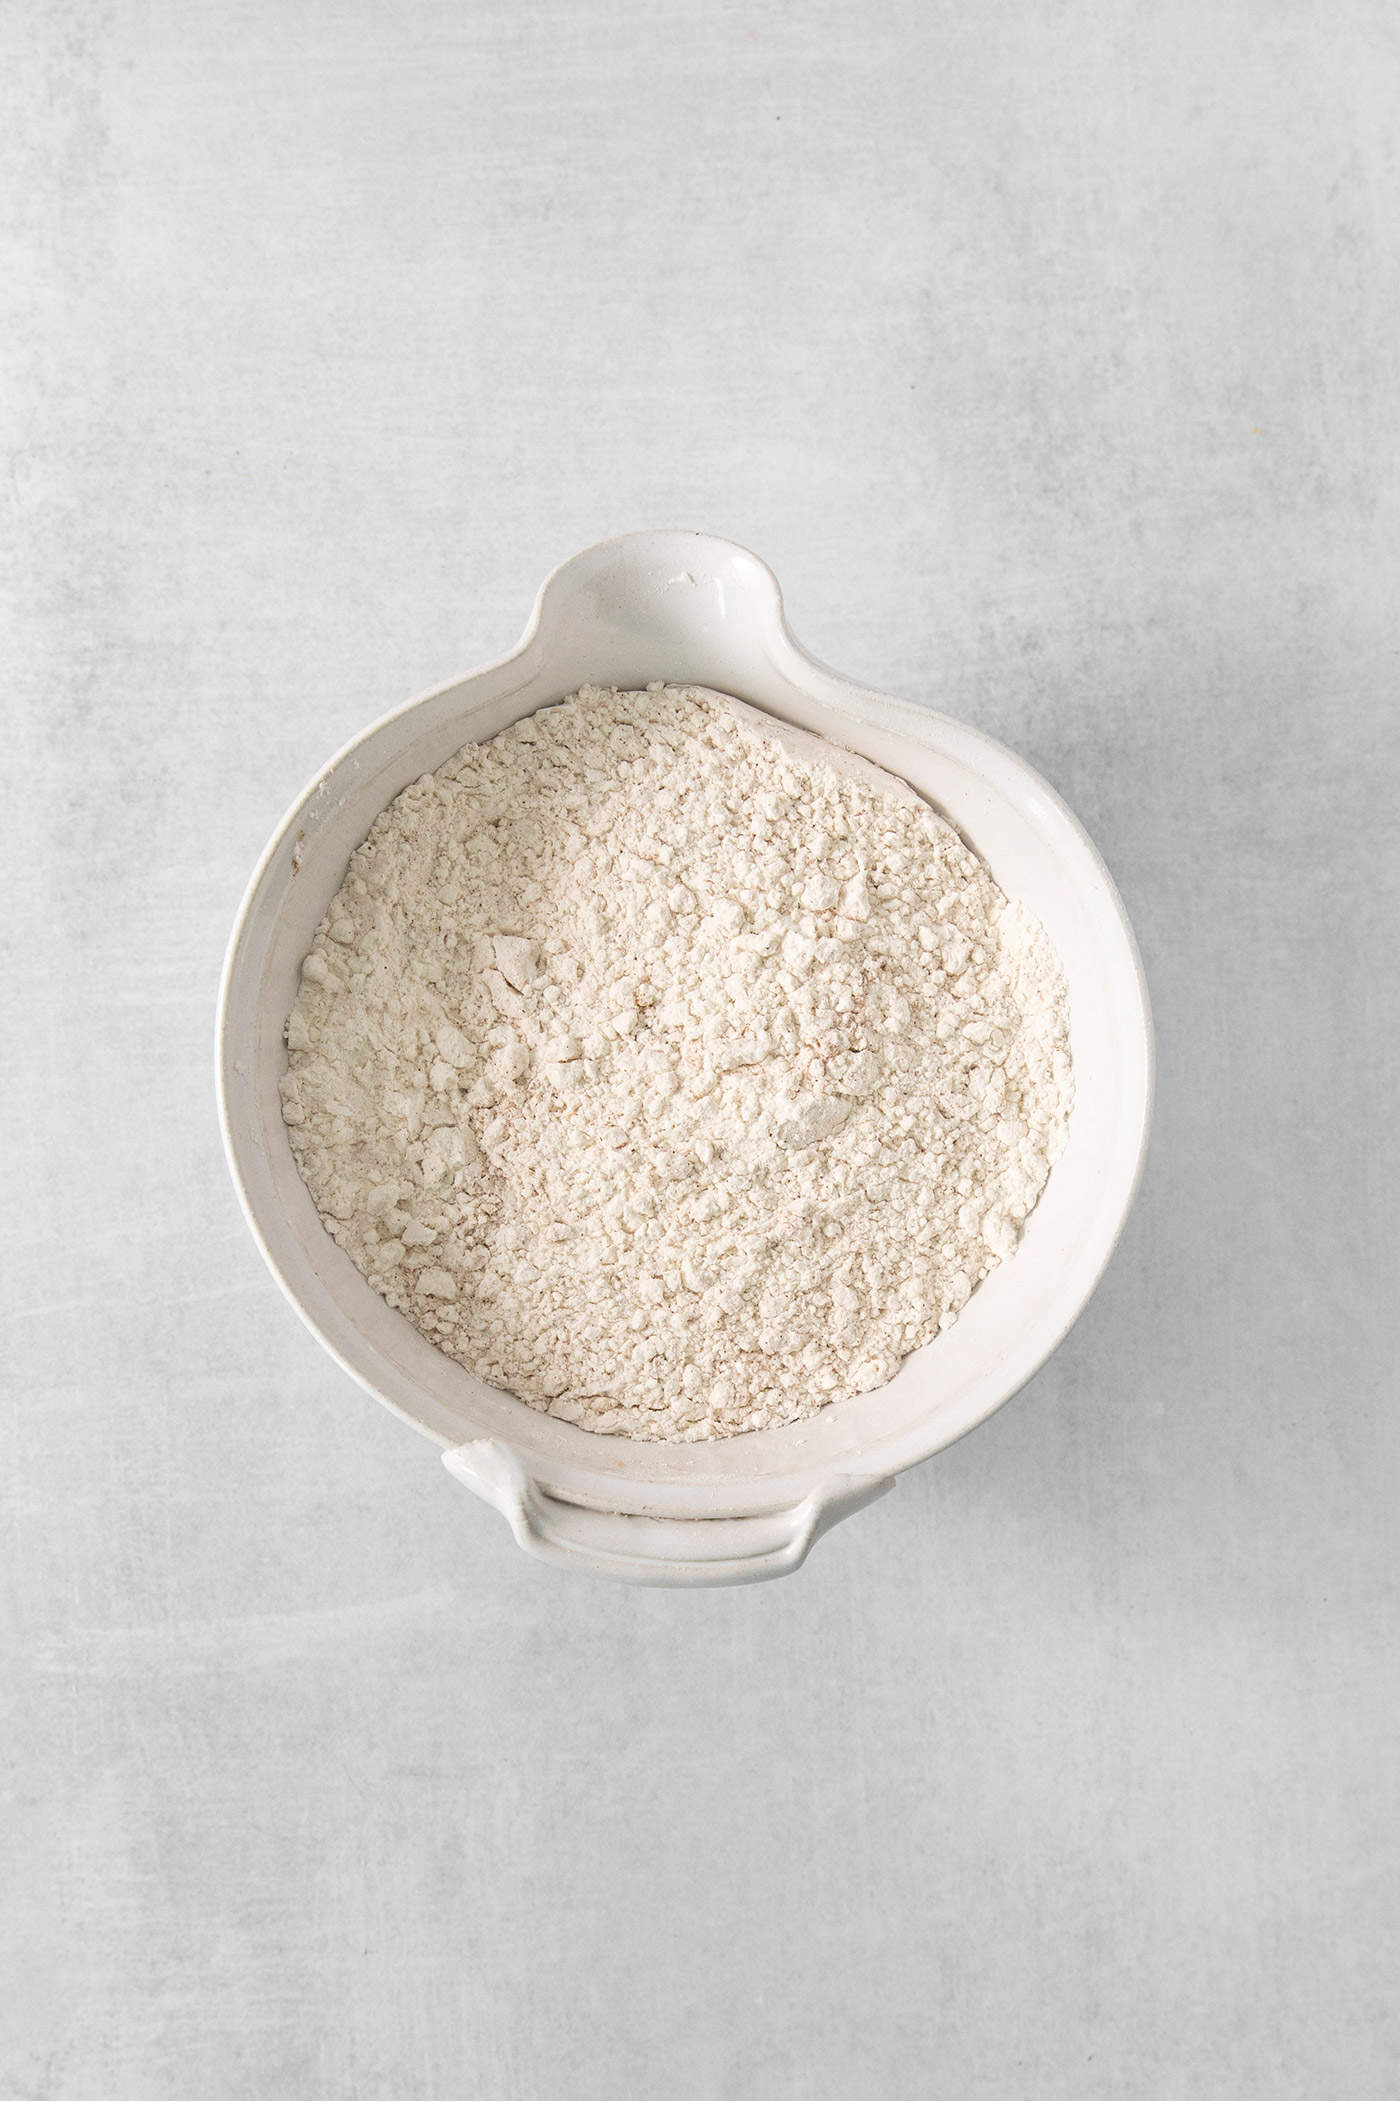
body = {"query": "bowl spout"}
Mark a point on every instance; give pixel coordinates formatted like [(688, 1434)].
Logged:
[(678, 606)]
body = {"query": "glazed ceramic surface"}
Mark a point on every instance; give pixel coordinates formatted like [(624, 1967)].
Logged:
[(688, 608)]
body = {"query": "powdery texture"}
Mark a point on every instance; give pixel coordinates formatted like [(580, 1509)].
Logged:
[(669, 1076)]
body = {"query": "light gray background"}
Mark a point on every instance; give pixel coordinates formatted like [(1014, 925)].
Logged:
[(1048, 354)]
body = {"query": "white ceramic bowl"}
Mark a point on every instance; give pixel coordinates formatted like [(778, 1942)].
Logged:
[(691, 609)]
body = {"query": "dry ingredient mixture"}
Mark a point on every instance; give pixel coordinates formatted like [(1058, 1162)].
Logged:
[(673, 1071)]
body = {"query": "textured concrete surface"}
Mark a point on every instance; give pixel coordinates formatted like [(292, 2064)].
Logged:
[(1048, 353)]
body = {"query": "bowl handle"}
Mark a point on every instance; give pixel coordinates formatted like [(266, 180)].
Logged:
[(657, 1550)]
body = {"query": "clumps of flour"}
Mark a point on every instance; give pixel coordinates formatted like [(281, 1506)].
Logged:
[(670, 1074)]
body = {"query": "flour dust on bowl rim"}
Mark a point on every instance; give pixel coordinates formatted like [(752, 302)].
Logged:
[(693, 610)]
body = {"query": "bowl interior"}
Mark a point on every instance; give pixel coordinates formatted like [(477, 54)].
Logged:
[(1037, 853)]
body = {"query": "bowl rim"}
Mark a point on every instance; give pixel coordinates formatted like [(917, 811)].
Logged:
[(733, 1493)]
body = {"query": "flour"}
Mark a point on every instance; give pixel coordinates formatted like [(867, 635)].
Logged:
[(669, 1073)]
